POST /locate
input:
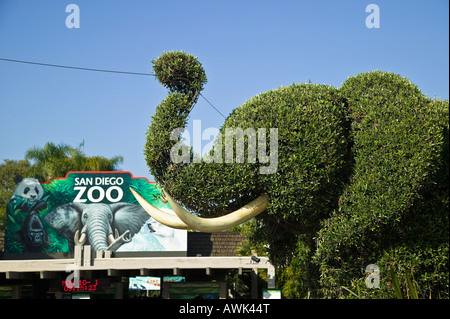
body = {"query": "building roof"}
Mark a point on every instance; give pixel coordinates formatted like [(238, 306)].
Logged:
[(213, 244)]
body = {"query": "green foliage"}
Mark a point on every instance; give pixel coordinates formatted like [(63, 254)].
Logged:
[(57, 160), (424, 272), (246, 247), (9, 169), (312, 163), (405, 272), (15, 220), (411, 288), (398, 194), (179, 72), (170, 115), (362, 178), (298, 280), (184, 76)]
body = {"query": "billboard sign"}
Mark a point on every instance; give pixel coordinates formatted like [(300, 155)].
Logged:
[(145, 283), (95, 208), (271, 294)]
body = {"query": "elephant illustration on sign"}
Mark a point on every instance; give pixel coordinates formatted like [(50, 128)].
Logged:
[(103, 226)]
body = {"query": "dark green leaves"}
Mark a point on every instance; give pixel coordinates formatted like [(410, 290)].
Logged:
[(179, 72), (362, 171)]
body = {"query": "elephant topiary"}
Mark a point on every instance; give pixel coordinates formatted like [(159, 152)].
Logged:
[(351, 162), (313, 127)]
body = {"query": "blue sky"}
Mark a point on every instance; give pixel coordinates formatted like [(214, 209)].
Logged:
[(246, 48)]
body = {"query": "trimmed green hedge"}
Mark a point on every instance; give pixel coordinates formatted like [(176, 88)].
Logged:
[(313, 151), (397, 197), (362, 177), (179, 72), (184, 76)]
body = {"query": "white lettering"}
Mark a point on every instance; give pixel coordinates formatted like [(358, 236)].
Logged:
[(100, 197), (83, 181), (97, 194), (234, 140), (175, 150), (81, 190), (373, 279), (196, 309), (373, 19), (73, 19), (73, 279), (262, 155), (119, 194), (209, 133)]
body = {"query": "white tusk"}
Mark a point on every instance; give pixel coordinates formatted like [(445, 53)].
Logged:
[(111, 239), (216, 224), (162, 217), (186, 220), (79, 241)]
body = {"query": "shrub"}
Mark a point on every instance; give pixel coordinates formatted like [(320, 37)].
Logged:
[(313, 165), (184, 76), (396, 197), (179, 72), (362, 175)]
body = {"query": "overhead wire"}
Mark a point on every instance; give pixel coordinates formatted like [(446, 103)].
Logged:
[(212, 106), (75, 67), (96, 70)]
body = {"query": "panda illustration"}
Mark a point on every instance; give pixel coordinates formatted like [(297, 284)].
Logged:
[(28, 188), (27, 198), (29, 192)]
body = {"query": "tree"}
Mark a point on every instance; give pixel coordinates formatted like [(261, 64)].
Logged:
[(8, 171), (57, 160)]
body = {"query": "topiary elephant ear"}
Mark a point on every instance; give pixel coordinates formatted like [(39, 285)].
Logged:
[(128, 217)]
